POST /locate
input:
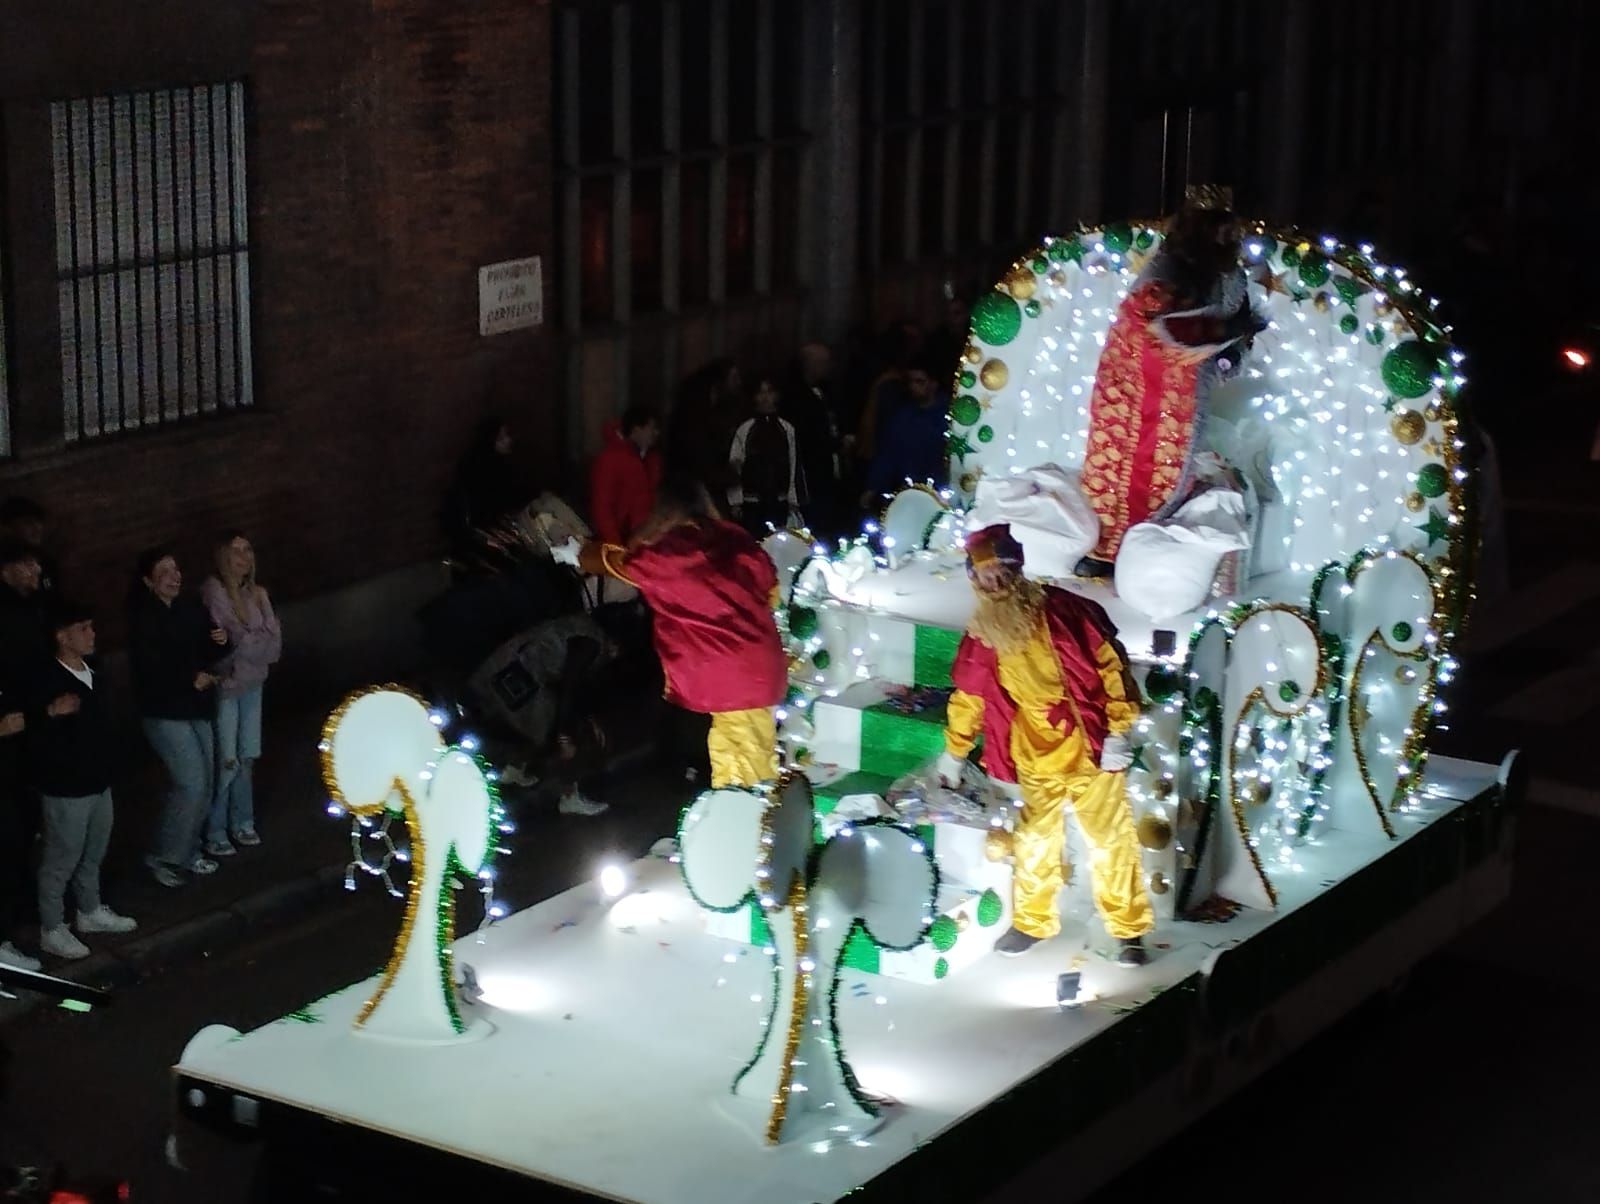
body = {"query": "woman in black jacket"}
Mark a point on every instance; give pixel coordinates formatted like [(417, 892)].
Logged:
[(175, 649)]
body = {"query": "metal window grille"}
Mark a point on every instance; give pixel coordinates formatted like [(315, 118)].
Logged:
[(152, 252)]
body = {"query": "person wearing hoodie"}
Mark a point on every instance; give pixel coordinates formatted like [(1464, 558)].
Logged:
[(624, 476), (175, 649), (764, 464), (240, 606), (710, 588)]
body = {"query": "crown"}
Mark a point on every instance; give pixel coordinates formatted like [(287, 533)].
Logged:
[(1208, 196)]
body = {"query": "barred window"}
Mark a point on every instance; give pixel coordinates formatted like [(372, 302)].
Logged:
[(152, 251)]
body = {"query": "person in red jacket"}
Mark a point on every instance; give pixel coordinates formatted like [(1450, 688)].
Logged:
[(711, 589), (623, 480)]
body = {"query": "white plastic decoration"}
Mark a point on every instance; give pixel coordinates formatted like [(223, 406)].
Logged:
[(788, 551), (382, 753), (1252, 676), (910, 520), (878, 875), (1379, 615)]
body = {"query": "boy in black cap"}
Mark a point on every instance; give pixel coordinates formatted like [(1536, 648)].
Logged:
[(69, 760)]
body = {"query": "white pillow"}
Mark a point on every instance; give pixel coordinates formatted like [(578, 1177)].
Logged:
[(1167, 569), (1047, 513)]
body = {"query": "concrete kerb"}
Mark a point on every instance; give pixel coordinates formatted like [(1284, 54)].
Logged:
[(176, 943)]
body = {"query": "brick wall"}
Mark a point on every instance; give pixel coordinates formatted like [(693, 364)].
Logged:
[(394, 146)]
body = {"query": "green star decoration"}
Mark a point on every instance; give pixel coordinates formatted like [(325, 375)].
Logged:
[(959, 447), (1436, 528), (1388, 405), (1138, 761)]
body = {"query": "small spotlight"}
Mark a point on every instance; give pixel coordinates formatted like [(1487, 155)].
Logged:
[(1577, 357), (1067, 987), (613, 881)]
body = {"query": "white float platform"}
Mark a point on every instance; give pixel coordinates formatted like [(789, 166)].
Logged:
[(616, 1032)]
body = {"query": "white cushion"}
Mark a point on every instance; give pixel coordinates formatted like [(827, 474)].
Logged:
[(1167, 569), (1047, 513)]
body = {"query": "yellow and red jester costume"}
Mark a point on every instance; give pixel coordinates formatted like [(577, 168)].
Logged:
[(710, 587), (1045, 710)]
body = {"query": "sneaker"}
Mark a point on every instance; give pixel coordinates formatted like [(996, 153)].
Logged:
[(10, 955), (1015, 942), (103, 919), (202, 865), (517, 775), (1132, 952), (576, 804), (59, 942), (219, 848), (168, 876), (246, 837)]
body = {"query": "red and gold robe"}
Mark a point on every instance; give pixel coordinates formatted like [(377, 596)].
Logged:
[(1142, 413)]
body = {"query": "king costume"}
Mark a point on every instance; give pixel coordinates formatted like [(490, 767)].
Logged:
[(710, 588), (1052, 707)]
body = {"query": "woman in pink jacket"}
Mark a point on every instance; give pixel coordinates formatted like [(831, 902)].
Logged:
[(241, 608)]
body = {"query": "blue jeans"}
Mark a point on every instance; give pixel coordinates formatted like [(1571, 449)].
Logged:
[(233, 807), (187, 748)]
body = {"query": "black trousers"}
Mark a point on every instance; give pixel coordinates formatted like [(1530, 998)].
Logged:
[(19, 828)]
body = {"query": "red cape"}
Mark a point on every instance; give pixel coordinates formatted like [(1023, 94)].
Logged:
[(1078, 627), (710, 587)]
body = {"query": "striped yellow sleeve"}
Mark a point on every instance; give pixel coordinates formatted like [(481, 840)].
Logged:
[(1121, 711), (963, 722)]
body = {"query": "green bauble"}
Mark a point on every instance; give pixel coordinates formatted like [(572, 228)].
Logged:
[(1375, 335), (1313, 271), (822, 660), (1432, 480), (1349, 323), (1041, 264), (1064, 249), (985, 434), (996, 318), (1409, 368), (1145, 239), (1348, 288), (1118, 237), (1401, 633), (965, 410), (1162, 682), (943, 932), (802, 622), (941, 968), (968, 379), (1205, 698), (990, 908), (1290, 257), (1032, 309), (1288, 691)]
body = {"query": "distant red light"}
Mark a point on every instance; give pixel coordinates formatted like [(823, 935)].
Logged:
[(1576, 356), (68, 1197)]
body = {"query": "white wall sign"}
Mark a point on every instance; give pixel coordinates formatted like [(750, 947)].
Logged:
[(510, 296)]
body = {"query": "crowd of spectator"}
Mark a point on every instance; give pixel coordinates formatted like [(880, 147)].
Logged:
[(199, 662)]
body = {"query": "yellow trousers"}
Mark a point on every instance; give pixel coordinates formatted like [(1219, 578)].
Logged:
[(1100, 804), (743, 746)]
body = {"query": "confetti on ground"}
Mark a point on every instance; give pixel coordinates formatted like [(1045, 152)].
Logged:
[(564, 924)]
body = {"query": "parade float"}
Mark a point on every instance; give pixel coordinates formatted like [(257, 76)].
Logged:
[(794, 999)]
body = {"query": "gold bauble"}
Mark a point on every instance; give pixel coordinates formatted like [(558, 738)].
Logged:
[(1408, 426), (1158, 883), (1155, 830), (993, 375), (1382, 307), (997, 844), (1255, 792), (1322, 301), (1057, 277), (972, 354), (1161, 788), (1021, 283), (1432, 412), (1415, 501), (968, 482), (1405, 674)]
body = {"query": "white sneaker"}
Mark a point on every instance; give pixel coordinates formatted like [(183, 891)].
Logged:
[(59, 942), (202, 865), (517, 775), (103, 919), (576, 804), (12, 956)]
